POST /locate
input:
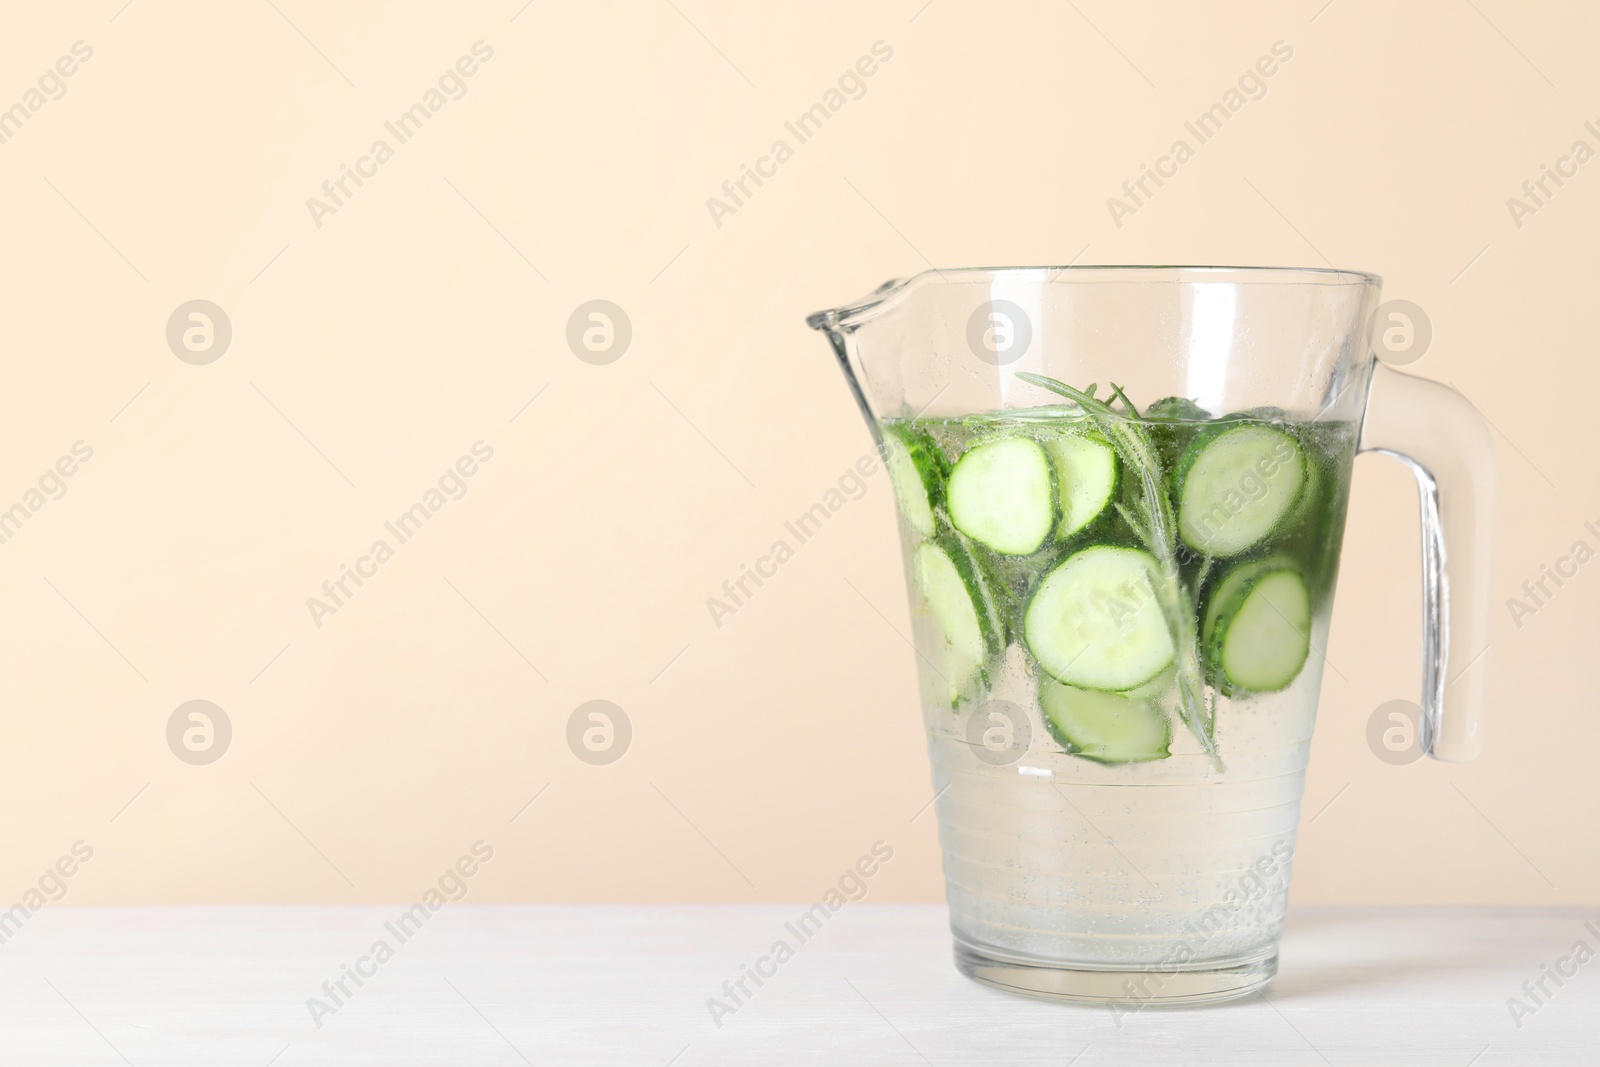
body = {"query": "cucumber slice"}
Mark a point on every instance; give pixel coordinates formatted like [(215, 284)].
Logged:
[(1236, 485), (1104, 727), (1086, 479), (914, 472), (1000, 495), (953, 590), (1257, 631), (982, 586), (1094, 622)]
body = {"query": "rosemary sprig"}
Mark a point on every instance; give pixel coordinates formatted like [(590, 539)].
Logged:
[(1153, 522)]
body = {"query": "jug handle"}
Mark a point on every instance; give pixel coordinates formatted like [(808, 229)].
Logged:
[(1437, 432)]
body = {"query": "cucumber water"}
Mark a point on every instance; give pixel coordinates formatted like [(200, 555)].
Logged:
[(1149, 589), (1101, 550)]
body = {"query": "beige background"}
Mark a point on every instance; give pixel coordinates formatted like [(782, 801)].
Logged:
[(368, 354)]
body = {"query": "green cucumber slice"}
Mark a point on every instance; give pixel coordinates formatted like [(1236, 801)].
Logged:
[(1086, 479), (1257, 631), (1094, 622), (954, 593), (1104, 727), (1000, 495), (1236, 485), (982, 586), (914, 472)]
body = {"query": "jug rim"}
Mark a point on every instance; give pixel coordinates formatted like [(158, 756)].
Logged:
[(857, 311)]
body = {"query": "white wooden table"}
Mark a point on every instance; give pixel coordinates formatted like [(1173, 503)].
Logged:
[(629, 985)]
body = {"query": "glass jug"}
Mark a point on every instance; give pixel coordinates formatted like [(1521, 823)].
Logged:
[(1121, 494)]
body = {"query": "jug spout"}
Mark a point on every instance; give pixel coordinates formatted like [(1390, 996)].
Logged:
[(852, 313), (839, 323)]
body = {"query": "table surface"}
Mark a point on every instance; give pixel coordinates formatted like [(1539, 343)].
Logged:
[(630, 985)]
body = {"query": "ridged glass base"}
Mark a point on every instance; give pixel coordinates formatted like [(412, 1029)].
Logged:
[(1125, 990)]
